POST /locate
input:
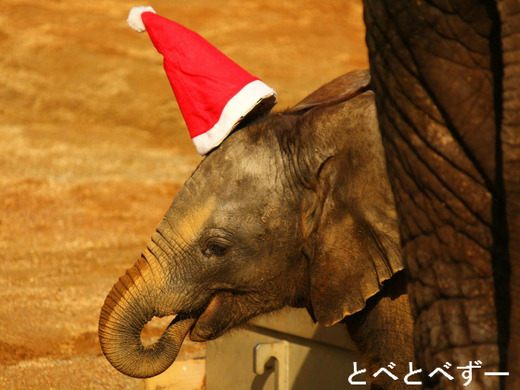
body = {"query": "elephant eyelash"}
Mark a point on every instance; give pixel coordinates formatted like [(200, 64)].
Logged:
[(214, 249)]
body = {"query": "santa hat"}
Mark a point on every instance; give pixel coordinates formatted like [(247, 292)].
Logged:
[(213, 92)]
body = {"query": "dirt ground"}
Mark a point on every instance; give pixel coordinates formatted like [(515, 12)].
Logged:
[(93, 150)]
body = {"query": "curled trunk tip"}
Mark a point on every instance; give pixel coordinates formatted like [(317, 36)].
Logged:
[(123, 316)]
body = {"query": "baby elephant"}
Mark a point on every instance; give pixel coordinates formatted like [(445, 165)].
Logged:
[(294, 209)]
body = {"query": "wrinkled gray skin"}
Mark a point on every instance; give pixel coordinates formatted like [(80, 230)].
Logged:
[(447, 80), (292, 210)]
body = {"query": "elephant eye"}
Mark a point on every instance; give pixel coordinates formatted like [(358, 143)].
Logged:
[(215, 249)]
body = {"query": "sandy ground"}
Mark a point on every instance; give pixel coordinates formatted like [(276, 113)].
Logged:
[(93, 150)]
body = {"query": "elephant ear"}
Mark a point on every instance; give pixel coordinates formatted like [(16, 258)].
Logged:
[(349, 221), (335, 91)]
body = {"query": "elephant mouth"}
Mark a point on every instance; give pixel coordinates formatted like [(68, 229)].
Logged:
[(215, 319), (222, 311), (208, 323)]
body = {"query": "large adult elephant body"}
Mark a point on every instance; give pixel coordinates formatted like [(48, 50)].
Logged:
[(447, 82), (294, 209)]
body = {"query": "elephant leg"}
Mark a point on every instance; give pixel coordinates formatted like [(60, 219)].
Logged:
[(383, 333), (510, 17), (436, 71)]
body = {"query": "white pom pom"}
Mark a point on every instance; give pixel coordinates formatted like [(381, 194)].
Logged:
[(134, 17)]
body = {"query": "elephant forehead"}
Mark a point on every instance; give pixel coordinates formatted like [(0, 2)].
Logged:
[(257, 164), (238, 158), (190, 220)]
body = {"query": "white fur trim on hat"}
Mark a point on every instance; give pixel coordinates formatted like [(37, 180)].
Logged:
[(134, 17), (234, 111)]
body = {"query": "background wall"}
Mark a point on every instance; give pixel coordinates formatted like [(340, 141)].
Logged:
[(93, 149)]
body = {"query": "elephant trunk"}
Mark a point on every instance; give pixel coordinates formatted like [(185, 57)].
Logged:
[(127, 309)]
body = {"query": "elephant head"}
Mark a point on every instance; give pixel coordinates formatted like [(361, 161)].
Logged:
[(292, 210)]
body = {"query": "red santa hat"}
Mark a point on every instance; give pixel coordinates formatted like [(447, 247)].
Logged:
[(213, 92)]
